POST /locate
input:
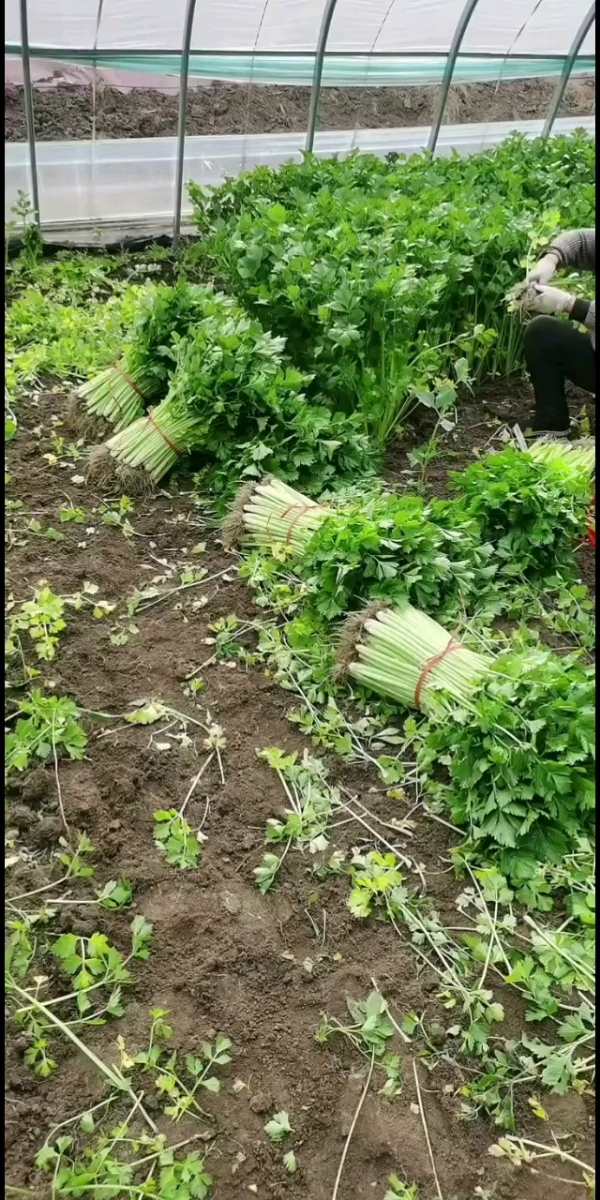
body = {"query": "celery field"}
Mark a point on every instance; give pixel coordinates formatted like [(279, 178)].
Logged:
[(300, 699)]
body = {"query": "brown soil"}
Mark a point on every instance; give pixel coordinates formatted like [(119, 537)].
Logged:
[(223, 957), (65, 111), (481, 418)]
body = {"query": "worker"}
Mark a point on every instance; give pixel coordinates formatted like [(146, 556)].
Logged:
[(554, 350)]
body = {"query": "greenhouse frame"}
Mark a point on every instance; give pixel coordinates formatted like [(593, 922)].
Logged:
[(317, 43)]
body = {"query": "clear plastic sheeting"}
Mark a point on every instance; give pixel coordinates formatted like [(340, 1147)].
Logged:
[(538, 28), (87, 184), (162, 71)]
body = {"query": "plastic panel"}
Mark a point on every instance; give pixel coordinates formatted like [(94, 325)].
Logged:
[(157, 70), (85, 182), (521, 27), (407, 26)]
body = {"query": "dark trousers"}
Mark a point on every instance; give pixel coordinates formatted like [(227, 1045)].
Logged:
[(554, 352)]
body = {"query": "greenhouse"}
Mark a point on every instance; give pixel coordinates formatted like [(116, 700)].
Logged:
[(300, 600), (350, 44)]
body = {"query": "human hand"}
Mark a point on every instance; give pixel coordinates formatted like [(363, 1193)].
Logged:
[(548, 301), (543, 270)]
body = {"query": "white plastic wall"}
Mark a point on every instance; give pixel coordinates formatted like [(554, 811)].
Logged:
[(91, 183), (498, 27)]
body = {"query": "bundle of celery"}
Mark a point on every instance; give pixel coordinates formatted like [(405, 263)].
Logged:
[(121, 394), (514, 733), (579, 455), (382, 546), (153, 443), (532, 509), (269, 512), (407, 656), (229, 382)]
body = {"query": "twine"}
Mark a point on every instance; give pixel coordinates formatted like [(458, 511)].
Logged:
[(301, 508), (164, 437), (432, 662), (129, 380)]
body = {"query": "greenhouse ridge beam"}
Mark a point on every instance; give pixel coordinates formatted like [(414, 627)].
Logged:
[(183, 86), (455, 45), (318, 73), (561, 86), (28, 96)]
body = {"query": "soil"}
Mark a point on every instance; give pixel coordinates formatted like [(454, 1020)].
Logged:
[(223, 957), (64, 112), (483, 418)]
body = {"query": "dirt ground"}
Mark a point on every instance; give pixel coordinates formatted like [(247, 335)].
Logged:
[(64, 112), (224, 958)]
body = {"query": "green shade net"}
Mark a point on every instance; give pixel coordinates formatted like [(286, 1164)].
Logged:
[(338, 70)]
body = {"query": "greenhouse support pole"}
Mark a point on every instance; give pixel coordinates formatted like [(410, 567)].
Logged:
[(318, 74), (561, 86), (455, 46), (28, 96), (183, 87)]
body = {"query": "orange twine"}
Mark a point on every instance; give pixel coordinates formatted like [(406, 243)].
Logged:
[(129, 380), (432, 662), (301, 508), (164, 437)]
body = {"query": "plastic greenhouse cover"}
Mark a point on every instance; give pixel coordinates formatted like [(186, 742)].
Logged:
[(525, 28), (133, 181), (157, 70)]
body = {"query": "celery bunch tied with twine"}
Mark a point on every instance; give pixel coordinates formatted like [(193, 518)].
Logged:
[(122, 393), (508, 746), (229, 379), (271, 512)]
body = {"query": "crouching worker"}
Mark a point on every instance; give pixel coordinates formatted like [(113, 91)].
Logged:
[(554, 350)]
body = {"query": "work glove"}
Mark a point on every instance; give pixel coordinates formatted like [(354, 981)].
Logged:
[(543, 270), (548, 301)]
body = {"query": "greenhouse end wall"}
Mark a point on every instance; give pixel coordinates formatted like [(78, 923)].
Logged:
[(354, 43), (87, 185)]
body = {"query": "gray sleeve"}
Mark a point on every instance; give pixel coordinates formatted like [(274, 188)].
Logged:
[(575, 249)]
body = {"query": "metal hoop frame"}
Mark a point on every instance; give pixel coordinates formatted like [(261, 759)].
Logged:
[(183, 90), (28, 96), (330, 6), (561, 86), (455, 45), (315, 92)]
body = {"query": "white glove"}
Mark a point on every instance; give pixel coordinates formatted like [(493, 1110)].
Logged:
[(543, 270), (548, 301)]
